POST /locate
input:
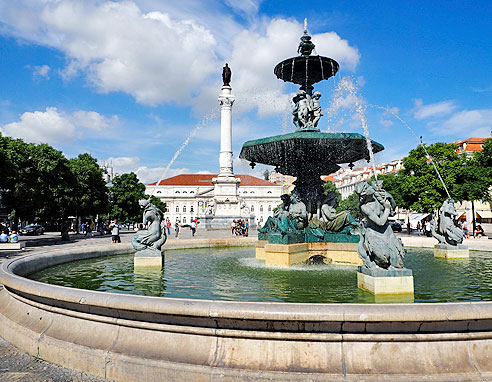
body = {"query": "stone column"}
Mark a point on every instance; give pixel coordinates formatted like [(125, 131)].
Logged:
[(226, 99)]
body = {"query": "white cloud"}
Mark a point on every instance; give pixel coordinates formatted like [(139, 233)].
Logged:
[(255, 53), (40, 71), (123, 165), (53, 126), (385, 122), (467, 123), (438, 109)]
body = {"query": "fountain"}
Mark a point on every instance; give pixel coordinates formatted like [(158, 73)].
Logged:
[(254, 324), (315, 229)]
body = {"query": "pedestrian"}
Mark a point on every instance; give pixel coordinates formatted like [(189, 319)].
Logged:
[(479, 232), (246, 224), (233, 227), (4, 238), (176, 229), (465, 230), (83, 228), (409, 229), (115, 232), (13, 238), (168, 225), (193, 228), (428, 228), (419, 227)]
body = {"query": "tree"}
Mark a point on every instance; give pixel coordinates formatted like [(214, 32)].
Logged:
[(125, 193), (417, 186), (352, 205), (158, 203), (476, 178), (328, 187), (91, 192)]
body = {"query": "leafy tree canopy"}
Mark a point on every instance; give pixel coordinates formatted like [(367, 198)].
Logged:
[(125, 193)]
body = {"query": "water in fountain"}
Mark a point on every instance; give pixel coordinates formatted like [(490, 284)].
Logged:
[(213, 115), (347, 88)]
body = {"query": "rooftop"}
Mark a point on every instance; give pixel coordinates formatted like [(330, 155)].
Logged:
[(206, 180)]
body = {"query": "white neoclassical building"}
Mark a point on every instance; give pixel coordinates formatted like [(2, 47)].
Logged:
[(193, 195), (220, 198)]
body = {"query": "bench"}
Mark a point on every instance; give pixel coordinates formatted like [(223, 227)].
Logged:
[(12, 246)]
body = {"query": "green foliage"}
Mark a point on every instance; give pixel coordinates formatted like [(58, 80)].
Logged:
[(158, 203), (125, 193), (90, 190), (351, 204), (328, 187)]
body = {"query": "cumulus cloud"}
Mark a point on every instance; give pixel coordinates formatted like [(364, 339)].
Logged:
[(40, 71), (437, 109), (53, 126), (256, 51), (469, 123), (124, 165)]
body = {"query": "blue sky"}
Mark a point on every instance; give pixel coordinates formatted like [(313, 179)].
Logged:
[(129, 81)]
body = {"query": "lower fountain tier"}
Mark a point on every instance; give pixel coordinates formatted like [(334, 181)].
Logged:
[(308, 155), (308, 151)]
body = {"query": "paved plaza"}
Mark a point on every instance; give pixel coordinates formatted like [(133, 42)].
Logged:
[(18, 366)]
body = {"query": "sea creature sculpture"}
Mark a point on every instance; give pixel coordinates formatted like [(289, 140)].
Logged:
[(445, 229), (378, 246), (154, 237)]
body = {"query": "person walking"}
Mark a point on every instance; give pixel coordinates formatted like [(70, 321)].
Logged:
[(246, 228), (419, 227), (176, 229), (193, 228), (168, 225), (115, 232)]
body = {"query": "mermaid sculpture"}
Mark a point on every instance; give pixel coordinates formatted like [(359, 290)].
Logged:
[(378, 246), (445, 229), (154, 237)]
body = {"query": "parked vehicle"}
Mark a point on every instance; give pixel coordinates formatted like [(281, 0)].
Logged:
[(32, 229), (396, 226)]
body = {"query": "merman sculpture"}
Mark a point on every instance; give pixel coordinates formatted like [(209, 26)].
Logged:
[(378, 246), (291, 216), (445, 229), (154, 237)]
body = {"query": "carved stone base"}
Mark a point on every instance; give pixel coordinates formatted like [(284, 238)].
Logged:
[(286, 255), (384, 282), (451, 252), (148, 258)]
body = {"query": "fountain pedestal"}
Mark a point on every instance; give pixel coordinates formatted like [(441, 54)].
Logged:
[(451, 252), (286, 255), (385, 282), (148, 258)]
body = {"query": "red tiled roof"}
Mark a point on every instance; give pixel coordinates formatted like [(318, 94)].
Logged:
[(206, 180)]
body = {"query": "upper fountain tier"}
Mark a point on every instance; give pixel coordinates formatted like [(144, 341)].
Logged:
[(306, 70)]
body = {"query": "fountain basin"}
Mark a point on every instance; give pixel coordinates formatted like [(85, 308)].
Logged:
[(128, 337), (308, 151), (306, 70)]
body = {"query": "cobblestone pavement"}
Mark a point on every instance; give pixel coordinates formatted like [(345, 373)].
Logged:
[(18, 366)]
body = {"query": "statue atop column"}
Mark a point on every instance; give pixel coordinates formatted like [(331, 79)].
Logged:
[(226, 75)]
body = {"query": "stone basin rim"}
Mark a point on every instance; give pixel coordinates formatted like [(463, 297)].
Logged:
[(338, 312)]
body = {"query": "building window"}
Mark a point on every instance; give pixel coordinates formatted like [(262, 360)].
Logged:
[(177, 208), (192, 192), (184, 219), (261, 208), (184, 208), (269, 192), (269, 208), (252, 208), (185, 192), (176, 192), (251, 192), (191, 209), (159, 192)]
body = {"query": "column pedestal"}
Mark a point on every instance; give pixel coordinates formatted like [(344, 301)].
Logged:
[(384, 282)]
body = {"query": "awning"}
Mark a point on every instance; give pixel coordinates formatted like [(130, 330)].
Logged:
[(484, 214)]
